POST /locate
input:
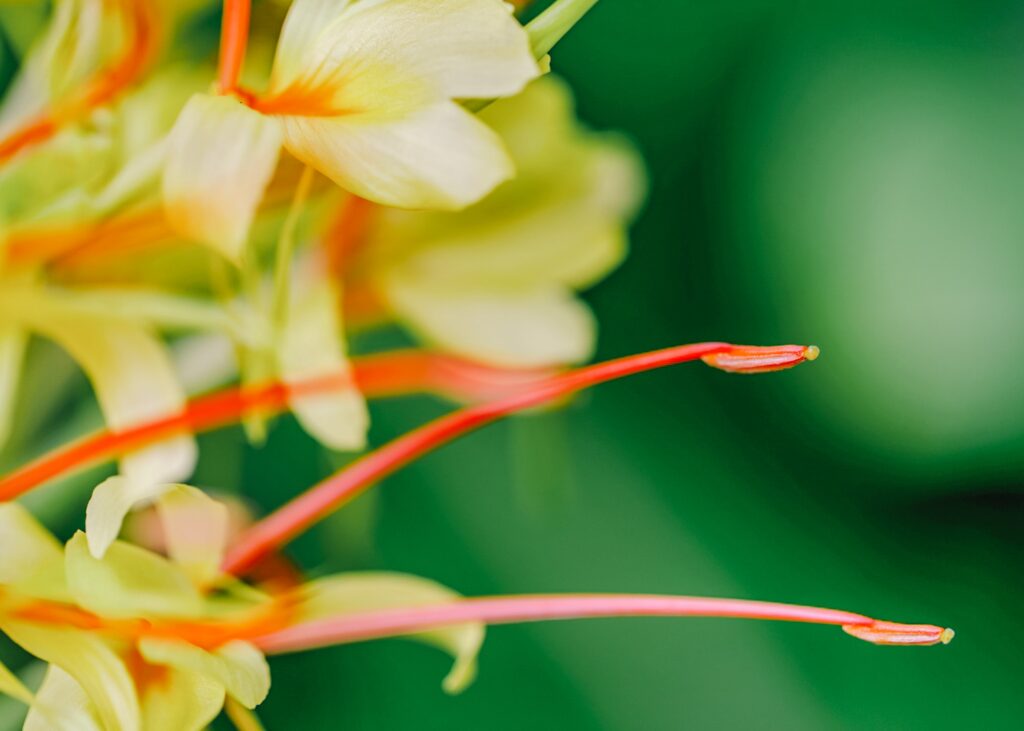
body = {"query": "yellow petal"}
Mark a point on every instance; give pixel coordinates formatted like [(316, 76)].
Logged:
[(525, 329), (238, 666), (196, 531), (305, 21), (365, 592), (220, 157), (111, 501), (561, 220), (62, 705), (312, 346), (181, 700), (134, 381), (128, 582), (439, 157), (87, 659), (12, 354), (460, 48), (61, 59), (11, 685), (33, 562)]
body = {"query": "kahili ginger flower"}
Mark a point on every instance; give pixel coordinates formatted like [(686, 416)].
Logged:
[(364, 92), (472, 210)]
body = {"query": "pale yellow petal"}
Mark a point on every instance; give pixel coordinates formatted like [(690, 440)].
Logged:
[(196, 531), (11, 685), (128, 582), (526, 329), (220, 157), (440, 157), (59, 60), (111, 501), (32, 560), (62, 705), (181, 700), (305, 21), (91, 662), (313, 347), (461, 48), (562, 219), (365, 592), (12, 353), (238, 666), (134, 381)]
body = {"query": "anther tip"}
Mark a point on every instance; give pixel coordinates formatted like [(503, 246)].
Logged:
[(811, 352), (947, 636)]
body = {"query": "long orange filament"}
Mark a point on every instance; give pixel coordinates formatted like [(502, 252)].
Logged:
[(296, 516), (378, 376), (234, 37), (106, 86), (274, 630), (515, 609)]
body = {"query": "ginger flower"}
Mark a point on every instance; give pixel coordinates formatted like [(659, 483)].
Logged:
[(496, 281), (140, 641), (364, 92)]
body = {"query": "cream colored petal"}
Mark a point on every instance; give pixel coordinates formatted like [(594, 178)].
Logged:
[(182, 701), (91, 662), (134, 381), (562, 219), (462, 48), (12, 354), (111, 501), (305, 21), (62, 705), (196, 531), (553, 243), (238, 666), (220, 157), (63, 56), (525, 329), (312, 347), (441, 157), (366, 592), (32, 559), (11, 685), (128, 582)]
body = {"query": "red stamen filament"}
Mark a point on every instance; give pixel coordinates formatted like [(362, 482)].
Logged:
[(507, 610), (296, 516), (101, 89), (234, 37), (272, 629), (378, 376)]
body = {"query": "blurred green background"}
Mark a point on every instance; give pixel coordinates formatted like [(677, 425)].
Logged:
[(848, 174)]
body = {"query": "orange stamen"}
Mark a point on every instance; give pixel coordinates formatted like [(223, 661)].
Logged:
[(516, 609), (234, 37), (347, 233), (287, 522), (379, 376), (267, 619)]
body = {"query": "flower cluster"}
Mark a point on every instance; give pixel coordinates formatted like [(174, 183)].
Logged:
[(177, 227)]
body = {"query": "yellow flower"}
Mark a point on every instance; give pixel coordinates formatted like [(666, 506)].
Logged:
[(87, 619), (136, 642), (496, 281), (363, 92)]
